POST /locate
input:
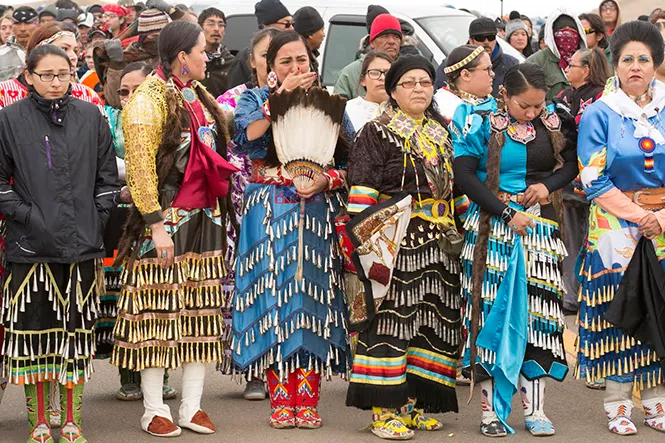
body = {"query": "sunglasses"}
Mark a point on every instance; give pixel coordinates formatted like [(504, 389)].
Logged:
[(589, 31), (287, 24), (484, 38), (123, 92)]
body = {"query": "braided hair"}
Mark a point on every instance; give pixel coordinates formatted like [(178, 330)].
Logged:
[(178, 36)]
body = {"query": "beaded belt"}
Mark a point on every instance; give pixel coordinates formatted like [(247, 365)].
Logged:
[(648, 198), (435, 211), (506, 198), (269, 175)]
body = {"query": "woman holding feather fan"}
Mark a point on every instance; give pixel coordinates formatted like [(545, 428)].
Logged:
[(288, 317)]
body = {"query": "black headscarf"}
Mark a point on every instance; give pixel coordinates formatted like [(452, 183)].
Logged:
[(403, 65)]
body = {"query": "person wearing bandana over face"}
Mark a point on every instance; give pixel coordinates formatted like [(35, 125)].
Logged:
[(564, 35)]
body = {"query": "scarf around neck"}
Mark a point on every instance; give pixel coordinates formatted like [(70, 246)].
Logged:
[(207, 173)]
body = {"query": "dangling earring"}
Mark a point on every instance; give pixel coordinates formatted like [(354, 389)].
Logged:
[(272, 80), (616, 84), (185, 70)]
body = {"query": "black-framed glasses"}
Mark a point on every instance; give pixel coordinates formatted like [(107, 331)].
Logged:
[(123, 92), (487, 69), (287, 24), (484, 38), (375, 74), (410, 84), (589, 31), (49, 77)]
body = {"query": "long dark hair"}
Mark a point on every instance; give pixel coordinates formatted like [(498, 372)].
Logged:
[(599, 68), (597, 25), (520, 77), (176, 37)]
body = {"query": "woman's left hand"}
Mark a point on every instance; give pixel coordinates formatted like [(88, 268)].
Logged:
[(320, 185), (534, 194), (650, 227)]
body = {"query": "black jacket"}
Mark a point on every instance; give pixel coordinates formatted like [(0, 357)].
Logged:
[(217, 71), (500, 64), (58, 179), (240, 72)]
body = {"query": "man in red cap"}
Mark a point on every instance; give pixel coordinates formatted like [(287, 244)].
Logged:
[(386, 36), (115, 17)]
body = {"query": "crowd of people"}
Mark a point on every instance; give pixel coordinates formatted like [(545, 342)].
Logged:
[(419, 227)]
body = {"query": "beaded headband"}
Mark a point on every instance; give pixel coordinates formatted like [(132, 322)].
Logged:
[(479, 50), (56, 36)]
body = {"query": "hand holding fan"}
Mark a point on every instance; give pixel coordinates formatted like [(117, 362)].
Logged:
[(305, 129)]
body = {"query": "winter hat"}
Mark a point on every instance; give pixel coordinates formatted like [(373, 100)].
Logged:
[(49, 10), (385, 24), (71, 14), (25, 14), (152, 20), (563, 21), (270, 11), (118, 10), (95, 9), (515, 25), (86, 19), (500, 24), (373, 11), (307, 21), (482, 26), (403, 65)]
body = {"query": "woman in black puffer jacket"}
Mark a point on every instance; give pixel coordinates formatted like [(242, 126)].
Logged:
[(58, 183)]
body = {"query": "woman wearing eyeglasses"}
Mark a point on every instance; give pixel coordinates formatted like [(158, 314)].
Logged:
[(587, 73), (372, 77), (400, 174), (512, 163), (58, 184), (470, 80)]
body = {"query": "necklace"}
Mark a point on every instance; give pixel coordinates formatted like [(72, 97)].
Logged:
[(470, 98), (646, 97)]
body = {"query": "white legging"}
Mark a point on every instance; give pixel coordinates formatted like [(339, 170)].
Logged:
[(152, 380)]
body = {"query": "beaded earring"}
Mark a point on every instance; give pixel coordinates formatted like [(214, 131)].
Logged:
[(272, 80), (185, 70)]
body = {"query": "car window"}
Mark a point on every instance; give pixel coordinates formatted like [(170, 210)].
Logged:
[(342, 44), (239, 31), (447, 31)]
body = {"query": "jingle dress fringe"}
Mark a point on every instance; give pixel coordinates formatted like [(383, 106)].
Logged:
[(49, 313), (172, 316), (544, 253), (604, 351), (278, 322)]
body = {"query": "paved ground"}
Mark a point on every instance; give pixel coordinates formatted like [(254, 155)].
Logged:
[(575, 410)]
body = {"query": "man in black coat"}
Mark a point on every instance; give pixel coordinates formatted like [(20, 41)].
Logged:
[(213, 23), (483, 32)]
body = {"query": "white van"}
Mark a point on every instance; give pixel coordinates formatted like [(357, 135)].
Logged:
[(439, 29)]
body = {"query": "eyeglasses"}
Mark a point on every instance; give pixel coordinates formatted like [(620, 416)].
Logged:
[(286, 24), (375, 74), (608, 7), (109, 15), (410, 84), (484, 38), (487, 69), (48, 78), (589, 31), (213, 24), (123, 92), (576, 66)]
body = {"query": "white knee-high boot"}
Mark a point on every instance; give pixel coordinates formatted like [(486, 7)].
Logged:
[(618, 405), (653, 403), (533, 400), (152, 381), (191, 416), (490, 425)]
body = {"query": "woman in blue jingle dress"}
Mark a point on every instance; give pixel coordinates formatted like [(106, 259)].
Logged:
[(512, 164), (292, 330), (622, 162)]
